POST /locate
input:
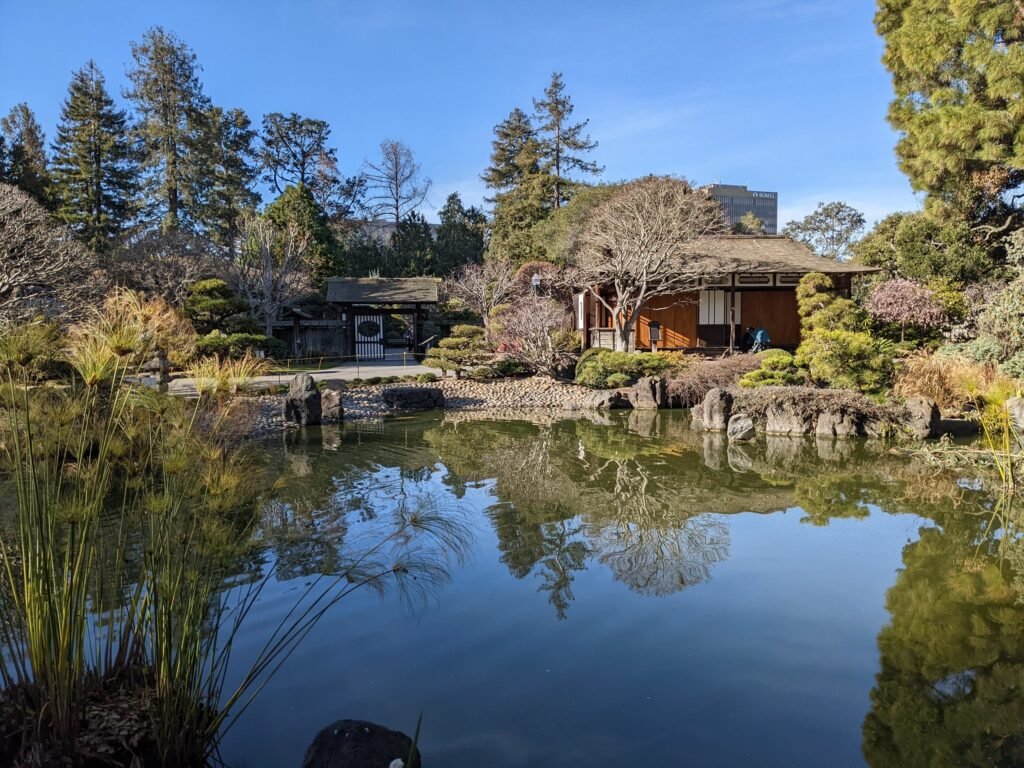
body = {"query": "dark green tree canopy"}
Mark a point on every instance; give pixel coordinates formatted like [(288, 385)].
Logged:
[(297, 206), (93, 162), (957, 68), (231, 172), (172, 111), (921, 247), (460, 236), (25, 156), (511, 137)]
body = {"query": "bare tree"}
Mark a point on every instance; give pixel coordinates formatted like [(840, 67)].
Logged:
[(656, 236), (269, 266), (43, 269), (394, 185), (483, 287), (535, 331), (162, 262)]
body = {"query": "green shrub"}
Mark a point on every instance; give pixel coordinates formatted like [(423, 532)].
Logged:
[(595, 370), (983, 349), (778, 369), (1003, 319), (238, 344), (846, 360), (464, 350), (616, 380), (426, 378), (821, 309), (373, 381), (1014, 367), (33, 349)]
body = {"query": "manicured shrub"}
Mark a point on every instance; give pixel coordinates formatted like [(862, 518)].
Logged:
[(820, 308), (594, 370), (692, 383), (846, 360), (464, 350), (778, 369), (426, 378), (237, 345), (616, 380)]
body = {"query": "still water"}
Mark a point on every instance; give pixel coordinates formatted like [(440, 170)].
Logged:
[(632, 593)]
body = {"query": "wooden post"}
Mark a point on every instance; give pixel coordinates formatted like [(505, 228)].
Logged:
[(732, 319)]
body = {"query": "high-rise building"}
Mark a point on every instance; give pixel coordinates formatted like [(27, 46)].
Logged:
[(738, 200)]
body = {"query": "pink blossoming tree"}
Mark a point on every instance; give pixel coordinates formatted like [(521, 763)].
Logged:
[(906, 303)]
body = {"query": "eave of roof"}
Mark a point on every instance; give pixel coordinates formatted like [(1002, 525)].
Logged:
[(383, 290)]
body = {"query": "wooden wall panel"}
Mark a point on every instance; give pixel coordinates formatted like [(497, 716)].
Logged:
[(775, 311), (678, 318)]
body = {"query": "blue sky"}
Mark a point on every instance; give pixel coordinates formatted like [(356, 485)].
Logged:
[(783, 95)]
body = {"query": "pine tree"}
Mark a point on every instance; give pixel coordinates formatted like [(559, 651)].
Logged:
[(957, 69), (26, 152), (561, 140), (518, 209), (460, 237), (412, 248), (93, 169), (172, 109), (297, 206), (228, 189), (511, 137), (463, 351)]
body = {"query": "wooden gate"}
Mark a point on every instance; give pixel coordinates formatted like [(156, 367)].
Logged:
[(369, 336)]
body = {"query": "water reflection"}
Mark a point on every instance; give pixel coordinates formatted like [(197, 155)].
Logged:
[(645, 498)]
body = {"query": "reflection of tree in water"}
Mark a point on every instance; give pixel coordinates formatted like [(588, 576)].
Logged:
[(950, 692), (572, 492)]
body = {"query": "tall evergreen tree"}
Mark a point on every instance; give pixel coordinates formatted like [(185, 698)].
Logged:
[(562, 142), (511, 137), (26, 152), (957, 69), (460, 237), (93, 169), (231, 173), (412, 248), (296, 206), (521, 207), (172, 109)]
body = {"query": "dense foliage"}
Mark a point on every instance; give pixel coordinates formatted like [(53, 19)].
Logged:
[(605, 369)]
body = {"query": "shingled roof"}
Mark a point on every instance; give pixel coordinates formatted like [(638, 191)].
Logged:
[(777, 253), (382, 290)]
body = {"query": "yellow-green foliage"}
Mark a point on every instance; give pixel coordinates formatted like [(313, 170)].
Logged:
[(821, 309), (846, 360), (33, 349), (953, 382), (217, 377), (778, 369), (605, 369)]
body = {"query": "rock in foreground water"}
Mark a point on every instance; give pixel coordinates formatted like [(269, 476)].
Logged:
[(359, 744)]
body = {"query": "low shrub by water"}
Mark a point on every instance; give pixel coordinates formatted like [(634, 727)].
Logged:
[(693, 382), (605, 369)]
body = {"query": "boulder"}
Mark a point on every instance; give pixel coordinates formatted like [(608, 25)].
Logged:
[(923, 417), (716, 410), (302, 403), (783, 419), (741, 428), (330, 405), (648, 393), (837, 424), (1015, 407), (359, 744), (413, 398), (607, 399)]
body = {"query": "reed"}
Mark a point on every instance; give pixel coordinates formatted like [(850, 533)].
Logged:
[(121, 594)]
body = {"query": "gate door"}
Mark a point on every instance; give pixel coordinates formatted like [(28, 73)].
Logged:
[(370, 337)]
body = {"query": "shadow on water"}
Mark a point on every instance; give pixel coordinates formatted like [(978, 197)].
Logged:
[(642, 496)]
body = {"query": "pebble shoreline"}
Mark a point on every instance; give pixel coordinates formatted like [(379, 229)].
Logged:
[(534, 393)]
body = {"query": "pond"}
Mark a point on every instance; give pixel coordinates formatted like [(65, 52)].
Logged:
[(634, 593)]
